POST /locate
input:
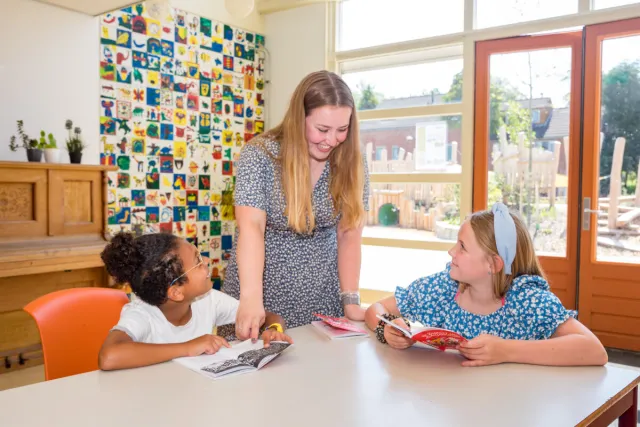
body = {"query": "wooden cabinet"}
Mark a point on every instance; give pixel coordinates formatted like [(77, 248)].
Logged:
[(52, 230)]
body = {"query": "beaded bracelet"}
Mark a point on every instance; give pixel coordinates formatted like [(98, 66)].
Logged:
[(381, 325)]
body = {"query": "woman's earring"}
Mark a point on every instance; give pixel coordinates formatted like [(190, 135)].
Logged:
[(490, 273)]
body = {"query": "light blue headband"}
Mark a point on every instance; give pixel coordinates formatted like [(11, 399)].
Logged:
[(505, 231)]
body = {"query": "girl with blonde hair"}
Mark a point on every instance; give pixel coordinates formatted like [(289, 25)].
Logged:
[(494, 294), (300, 198)]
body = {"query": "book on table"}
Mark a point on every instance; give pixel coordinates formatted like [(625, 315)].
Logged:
[(442, 339), (335, 327), (239, 359)]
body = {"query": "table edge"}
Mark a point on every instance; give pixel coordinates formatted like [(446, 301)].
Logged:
[(609, 403)]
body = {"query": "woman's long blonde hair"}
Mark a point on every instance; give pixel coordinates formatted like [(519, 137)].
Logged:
[(525, 261), (319, 89)]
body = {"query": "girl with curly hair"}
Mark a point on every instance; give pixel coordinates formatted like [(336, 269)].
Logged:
[(175, 310)]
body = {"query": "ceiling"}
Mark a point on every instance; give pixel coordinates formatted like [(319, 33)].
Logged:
[(99, 7)]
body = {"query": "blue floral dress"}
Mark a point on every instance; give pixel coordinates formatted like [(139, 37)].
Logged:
[(530, 310)]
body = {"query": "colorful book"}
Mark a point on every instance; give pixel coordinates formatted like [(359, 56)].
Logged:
[(442, 339), (336, 333)]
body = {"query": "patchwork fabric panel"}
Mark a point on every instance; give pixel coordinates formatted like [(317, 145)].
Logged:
[(179, 97)]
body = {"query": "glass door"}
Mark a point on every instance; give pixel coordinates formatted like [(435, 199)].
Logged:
[(527, 118), (609, 275)]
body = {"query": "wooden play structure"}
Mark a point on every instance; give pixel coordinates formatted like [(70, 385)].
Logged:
[(418, 206), (511, 162), (422, 206), (618, 215)]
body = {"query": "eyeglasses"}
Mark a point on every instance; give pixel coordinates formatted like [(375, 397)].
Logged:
[(200, 262)]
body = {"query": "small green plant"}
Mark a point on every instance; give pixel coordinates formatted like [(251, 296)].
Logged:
[(27, 143), (52, 141), (74, 142)]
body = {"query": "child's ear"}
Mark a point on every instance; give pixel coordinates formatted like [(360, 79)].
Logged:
[(498, 264), (174, 293)]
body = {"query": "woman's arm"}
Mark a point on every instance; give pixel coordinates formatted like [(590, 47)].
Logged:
[(349, 263), (251, 223), (119, 351), (572, 344)]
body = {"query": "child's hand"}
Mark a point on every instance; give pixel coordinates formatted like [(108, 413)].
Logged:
[(206, 344), (271, 335), (395, 338), (483, 350)]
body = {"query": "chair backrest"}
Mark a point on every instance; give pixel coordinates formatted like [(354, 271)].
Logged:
[(73, 324)]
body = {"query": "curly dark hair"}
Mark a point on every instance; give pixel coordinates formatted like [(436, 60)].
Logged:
[(148, 263)]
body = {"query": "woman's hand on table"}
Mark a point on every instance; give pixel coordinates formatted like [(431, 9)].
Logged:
[(354, 312)]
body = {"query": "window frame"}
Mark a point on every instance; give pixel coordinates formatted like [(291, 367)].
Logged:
[(442, 48)]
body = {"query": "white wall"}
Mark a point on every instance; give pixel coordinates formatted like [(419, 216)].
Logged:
[(48, 73), (214, 9), (296, 43)]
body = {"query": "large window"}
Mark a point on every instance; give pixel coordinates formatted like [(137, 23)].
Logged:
[(407, 86), (410, 66), (601, 4), (413, 145), (366, 23), (515, 11)]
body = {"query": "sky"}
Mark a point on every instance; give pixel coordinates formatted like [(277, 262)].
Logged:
[(549, 67)]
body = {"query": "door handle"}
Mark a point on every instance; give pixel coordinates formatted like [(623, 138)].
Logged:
[(586, 213)]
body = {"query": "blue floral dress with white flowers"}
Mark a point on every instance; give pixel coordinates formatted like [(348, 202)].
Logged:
[(530, 310)]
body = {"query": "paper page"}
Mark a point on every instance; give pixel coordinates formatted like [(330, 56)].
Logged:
[(335, 333), (260, 357), (398, 327), (198, 362)]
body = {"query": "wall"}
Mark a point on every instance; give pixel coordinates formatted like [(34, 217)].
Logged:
[(215, 9), (48, 73), (178, 99), (296, 45)]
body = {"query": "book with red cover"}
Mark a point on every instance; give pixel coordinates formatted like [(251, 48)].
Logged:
[(442, 339)]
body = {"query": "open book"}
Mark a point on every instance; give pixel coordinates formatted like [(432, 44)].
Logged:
[(442, 339), (240, 358)]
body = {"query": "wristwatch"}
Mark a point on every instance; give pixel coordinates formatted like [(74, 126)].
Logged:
[(347, 298)]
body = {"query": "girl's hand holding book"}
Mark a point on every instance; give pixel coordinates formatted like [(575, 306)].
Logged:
[(395, 338), (483, 350)]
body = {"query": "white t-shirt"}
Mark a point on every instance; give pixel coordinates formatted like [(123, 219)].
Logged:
[(146, 323)]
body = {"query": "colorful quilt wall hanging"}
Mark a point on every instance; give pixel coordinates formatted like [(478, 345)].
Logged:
[(179, 97)]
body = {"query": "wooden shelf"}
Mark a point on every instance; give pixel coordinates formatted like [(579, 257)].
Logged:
[(52, 231), (57, 166)]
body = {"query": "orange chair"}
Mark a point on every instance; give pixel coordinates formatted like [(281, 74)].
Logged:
[(73, 324)]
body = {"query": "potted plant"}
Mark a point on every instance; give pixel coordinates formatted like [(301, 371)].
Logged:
[(51, 150), (33, 147), (74, 143)]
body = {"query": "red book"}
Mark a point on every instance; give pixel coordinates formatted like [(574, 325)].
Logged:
[(442, 339)]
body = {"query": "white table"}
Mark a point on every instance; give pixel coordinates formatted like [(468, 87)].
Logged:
[(319, 382)]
